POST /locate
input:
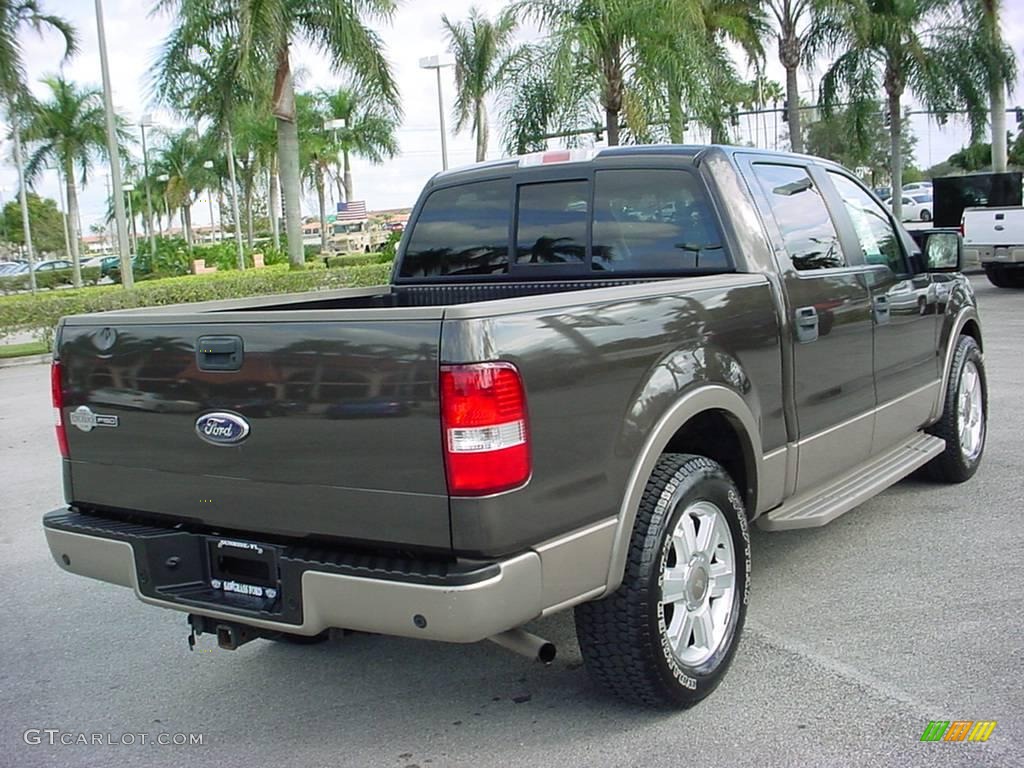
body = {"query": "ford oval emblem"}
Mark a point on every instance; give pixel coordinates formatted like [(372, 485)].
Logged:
[(222, 428)]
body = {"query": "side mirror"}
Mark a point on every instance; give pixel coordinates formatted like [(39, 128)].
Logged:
[(943, 249)]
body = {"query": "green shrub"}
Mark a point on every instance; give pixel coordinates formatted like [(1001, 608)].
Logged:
[(91, 275), (39, 313), (14, 283), (356, 260), (390, 247), (51, 278)]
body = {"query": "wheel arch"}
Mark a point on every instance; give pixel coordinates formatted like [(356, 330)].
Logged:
[(735, 443), (966, 323)]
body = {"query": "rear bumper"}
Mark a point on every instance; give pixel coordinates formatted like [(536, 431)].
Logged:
[(995, 254), (460, 606)]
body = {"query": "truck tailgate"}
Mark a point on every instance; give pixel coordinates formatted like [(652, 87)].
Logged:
[(344, 428)]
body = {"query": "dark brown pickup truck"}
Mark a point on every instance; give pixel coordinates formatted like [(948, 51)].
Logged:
[(590, 373)]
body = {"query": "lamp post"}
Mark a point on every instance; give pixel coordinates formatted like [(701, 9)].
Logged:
[(208, 165), (23, 199), (146, 121), (128, 189), (127, 278), (437, 63)]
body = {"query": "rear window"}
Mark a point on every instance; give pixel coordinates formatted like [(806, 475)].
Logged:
[(635, 221), (654, 221), (461, 230)]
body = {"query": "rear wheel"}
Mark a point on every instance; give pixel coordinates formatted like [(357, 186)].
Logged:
[(667, 635), (996, 275), (964, 422), (926, 215)]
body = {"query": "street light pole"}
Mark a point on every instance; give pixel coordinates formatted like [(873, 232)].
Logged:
[(144, 122), (436, 63), (127, 278), (23, 197)]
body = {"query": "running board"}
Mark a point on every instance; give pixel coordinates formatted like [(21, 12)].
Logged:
[(824, 505)]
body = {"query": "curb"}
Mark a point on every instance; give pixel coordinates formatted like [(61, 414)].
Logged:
[(14, 362)]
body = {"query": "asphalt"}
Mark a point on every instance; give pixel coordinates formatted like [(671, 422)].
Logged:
[(905, 610)]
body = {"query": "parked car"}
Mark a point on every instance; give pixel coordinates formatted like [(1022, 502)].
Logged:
[(995, 238), (917, 206), (51, 264), (917, 186), (591, 372)]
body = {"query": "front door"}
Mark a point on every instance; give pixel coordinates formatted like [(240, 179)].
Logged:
[(907, 307), (830, 317)]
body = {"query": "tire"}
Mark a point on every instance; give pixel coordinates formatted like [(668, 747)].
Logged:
[(965, 444), (996, 275), (926, 215), (627, 639)]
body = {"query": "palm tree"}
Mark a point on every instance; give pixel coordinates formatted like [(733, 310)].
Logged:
[(371, 125), (901, 42), (481, 48), (200, 76), (69, 131), (257, 133), (15, 98), (988, 67), (793, 28), (265, 29), (601, 47), (181, 158), (317, 151)]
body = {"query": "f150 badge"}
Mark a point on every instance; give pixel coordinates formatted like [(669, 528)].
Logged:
[(222, 428), (84, 418)]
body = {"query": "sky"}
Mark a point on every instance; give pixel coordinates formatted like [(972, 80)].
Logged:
[(134, 38)]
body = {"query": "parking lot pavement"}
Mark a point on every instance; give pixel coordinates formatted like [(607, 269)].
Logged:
[(902, 611)]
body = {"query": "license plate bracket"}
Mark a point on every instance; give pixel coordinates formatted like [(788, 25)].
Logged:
[(244, 568)]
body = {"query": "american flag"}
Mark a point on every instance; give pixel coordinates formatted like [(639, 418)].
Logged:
[(354, 210)]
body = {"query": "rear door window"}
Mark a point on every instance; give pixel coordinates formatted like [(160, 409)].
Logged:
[(654, 221), (461, 230), (552, 223), (808, 233)]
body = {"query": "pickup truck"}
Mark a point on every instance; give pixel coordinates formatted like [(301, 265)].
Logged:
[(591, 372), (995, 238)]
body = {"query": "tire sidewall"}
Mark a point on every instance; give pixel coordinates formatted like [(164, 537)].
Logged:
[(967, 351), (710, 484)]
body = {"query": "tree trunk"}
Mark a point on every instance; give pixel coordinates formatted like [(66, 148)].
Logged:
[(481, 131), (321, 197), (896, 148), (611, 126), (71, 196), (339, 182), (288, 156), (796, 138), (347, 181), (997, 102), (275, 205), (676, 118), (234, 200), (186, 215)]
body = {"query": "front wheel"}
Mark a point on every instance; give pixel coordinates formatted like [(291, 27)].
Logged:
[(964, 422), (667, 635)]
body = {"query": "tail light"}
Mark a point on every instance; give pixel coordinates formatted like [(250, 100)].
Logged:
[(58, 404), (484, 426), (962, 226)]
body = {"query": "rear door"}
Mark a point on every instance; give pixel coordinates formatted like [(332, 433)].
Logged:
[(829, 308), (342, 413)]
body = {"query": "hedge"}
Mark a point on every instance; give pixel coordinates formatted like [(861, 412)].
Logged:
[(39, 313), (358, 259), (48, 279)]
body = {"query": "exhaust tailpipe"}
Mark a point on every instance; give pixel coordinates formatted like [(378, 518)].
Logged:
[(522, 642)]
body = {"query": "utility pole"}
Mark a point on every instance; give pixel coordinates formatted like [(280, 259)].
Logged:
[(127, 278)]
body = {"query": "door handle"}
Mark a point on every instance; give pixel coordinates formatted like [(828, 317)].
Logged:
[(806, 324)]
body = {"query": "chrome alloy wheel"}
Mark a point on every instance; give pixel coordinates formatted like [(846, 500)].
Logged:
[(698, 582), (970, 413)]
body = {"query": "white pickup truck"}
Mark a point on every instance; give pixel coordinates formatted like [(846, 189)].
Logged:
[(995, 238)]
